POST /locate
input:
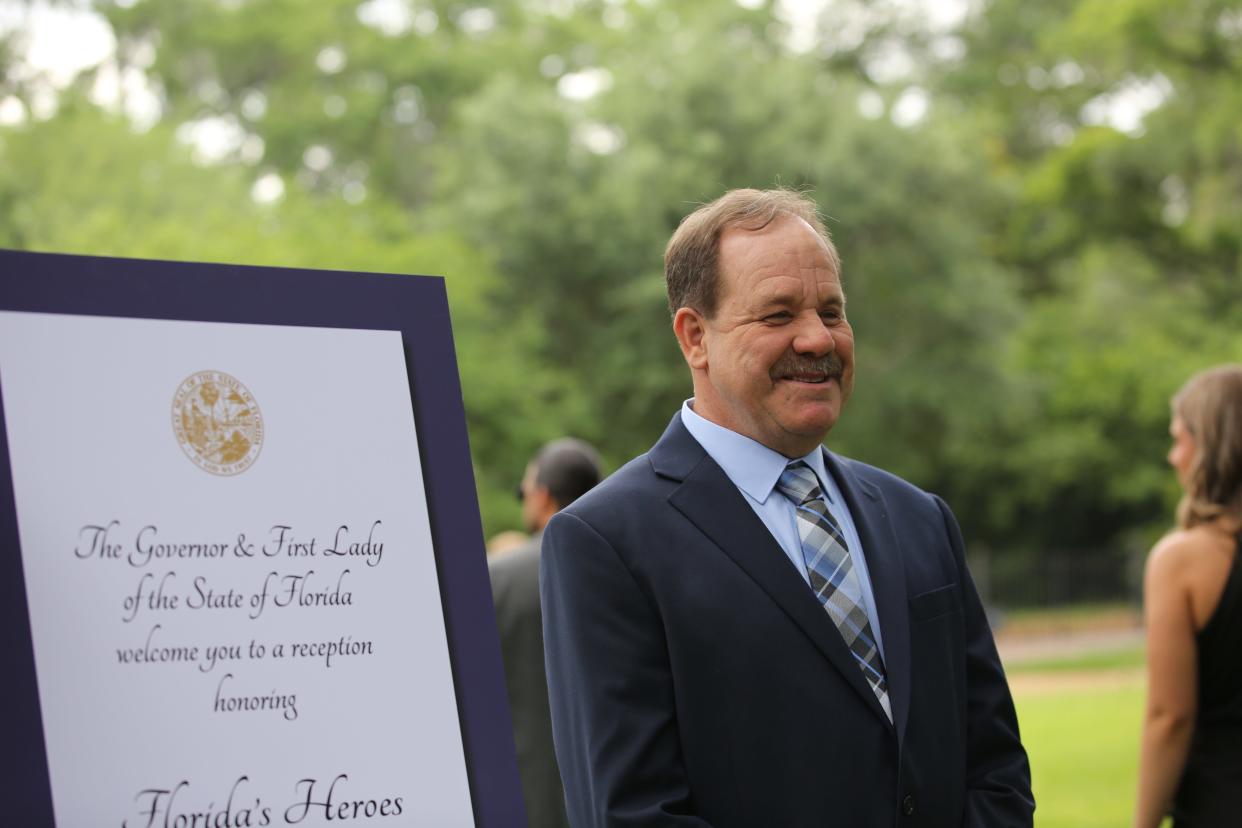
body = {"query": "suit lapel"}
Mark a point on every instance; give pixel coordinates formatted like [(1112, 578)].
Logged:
[(710, 501), (874, 523)]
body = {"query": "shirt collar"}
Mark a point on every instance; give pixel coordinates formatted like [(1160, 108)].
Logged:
[(751, 466)]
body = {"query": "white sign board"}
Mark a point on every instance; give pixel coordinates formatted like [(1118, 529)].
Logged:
[(233, 597)]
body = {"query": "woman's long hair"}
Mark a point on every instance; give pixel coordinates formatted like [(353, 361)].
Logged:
[(1210, 408)]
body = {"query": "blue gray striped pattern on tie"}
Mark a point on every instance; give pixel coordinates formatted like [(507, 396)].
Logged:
[(832, 574)]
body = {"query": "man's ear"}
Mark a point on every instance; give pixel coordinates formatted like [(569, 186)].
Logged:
[(691, 330)]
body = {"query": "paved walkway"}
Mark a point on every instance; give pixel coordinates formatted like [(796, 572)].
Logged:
[(1017, 649), (1024, 648)]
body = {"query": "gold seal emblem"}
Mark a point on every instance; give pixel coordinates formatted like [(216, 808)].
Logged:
[(217, 422)]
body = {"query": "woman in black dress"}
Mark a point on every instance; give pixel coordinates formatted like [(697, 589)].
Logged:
[(1191, 760)]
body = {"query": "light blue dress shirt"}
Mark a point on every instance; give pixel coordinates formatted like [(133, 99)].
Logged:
[(754, 469)]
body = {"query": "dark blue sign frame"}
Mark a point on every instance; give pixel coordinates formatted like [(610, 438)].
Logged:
[(417, 306)]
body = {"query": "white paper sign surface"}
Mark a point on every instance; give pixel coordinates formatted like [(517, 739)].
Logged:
[(233, 596)]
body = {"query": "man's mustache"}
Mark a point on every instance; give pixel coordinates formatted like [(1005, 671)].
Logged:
[(792, 363)]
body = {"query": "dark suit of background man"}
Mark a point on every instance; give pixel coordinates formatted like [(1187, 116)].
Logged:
[(560, 472), (696, 676)]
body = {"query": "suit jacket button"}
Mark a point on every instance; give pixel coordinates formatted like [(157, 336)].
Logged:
[(907, 805)]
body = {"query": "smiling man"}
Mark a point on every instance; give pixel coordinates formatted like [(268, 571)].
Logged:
[(744, 629)]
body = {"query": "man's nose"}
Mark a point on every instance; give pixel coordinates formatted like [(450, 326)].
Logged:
[(812, 336)]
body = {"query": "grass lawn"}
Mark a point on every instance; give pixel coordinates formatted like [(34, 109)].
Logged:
[(1083, 746), (1080, 720)]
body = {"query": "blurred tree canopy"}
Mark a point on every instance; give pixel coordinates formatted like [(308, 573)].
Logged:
[(1039, 206)]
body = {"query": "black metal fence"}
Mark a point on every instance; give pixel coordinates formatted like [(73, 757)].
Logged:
[(1057, 577)]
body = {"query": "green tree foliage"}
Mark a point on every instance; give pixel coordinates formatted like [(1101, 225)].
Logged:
[(1029, 276), (1125, 238)]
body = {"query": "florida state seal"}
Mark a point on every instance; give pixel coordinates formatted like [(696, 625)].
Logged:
[(217, 422)]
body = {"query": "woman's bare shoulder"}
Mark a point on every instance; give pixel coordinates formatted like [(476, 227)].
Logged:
[(1193, 563), (1184, 553), (1188, 543), (1175, 547)]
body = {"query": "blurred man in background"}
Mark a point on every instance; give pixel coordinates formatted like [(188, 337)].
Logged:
[(559, 474)]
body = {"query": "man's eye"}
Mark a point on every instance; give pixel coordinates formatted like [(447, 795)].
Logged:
[(779, 316), (832, 315)]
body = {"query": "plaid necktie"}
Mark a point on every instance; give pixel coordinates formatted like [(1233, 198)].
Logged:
[(832, 574)]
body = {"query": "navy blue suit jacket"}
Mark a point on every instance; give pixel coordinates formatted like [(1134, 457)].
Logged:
[(695, 680)]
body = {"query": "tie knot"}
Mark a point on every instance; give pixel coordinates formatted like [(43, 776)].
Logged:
[(799, 483)]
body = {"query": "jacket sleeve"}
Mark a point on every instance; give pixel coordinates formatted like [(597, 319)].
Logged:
[(610, 687), (998, 774)]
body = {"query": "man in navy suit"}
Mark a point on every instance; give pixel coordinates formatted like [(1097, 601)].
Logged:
[(744, 629)]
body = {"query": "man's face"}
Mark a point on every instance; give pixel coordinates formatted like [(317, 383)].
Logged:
[(778, 356), (527, 487), (537, 505)]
